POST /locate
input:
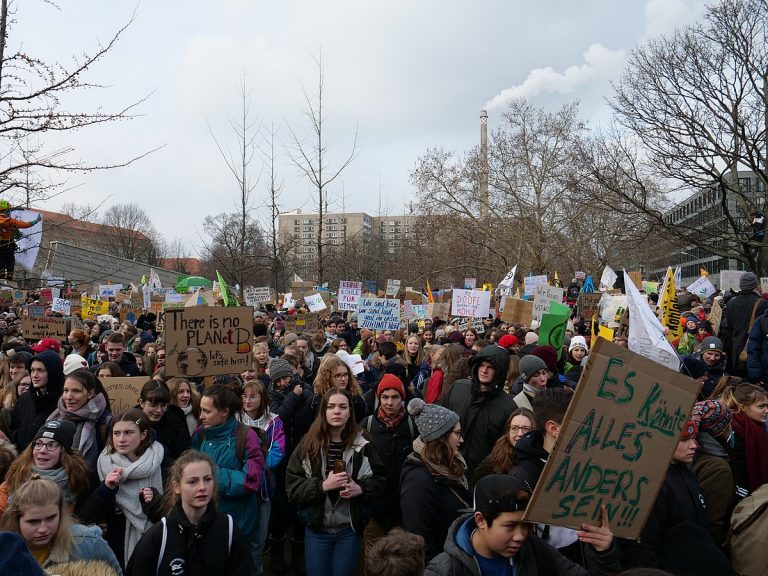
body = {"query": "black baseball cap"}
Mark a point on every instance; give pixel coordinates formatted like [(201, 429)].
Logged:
[(499, 493)]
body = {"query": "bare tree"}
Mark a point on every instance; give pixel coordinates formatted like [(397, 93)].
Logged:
[(131, 233), (33, 93), (311, 158), (78, 211), (696, 103), (234, 256)]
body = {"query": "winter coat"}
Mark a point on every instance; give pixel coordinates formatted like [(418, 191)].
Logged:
[(87, 544), (534, 558), (680, 500), (421, 379), (295, 411), (33, 408), (238, 481), (191, 550), (483, 415), (434, 385), (757, 351), (530, 454), (127, 363), (304, 485), (430, 503), (714, 375), (173, 433), (713, 470), (738, 313), (393, 446)]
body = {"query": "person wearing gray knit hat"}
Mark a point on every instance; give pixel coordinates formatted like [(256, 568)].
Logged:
[(530, 365), (279, 368), (748, 282), (432, 420), (533, 371)]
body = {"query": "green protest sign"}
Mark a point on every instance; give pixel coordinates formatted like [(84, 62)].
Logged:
[(615, 442), (552, 330)]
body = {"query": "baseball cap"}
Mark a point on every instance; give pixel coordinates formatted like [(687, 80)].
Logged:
[(497, 493), (47, 344)]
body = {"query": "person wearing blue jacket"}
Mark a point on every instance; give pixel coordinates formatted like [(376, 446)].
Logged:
[(236, 450)]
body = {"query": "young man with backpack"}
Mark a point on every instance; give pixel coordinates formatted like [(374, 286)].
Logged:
[(392, 432)]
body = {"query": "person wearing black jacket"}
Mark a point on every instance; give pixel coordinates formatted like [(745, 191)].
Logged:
[(169, 424), (392, 431), (481, 404), (735, 327), (33, 408), (115, 346)]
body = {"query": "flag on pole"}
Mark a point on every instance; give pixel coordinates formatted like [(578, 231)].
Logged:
[(430, 296), (226, 292)]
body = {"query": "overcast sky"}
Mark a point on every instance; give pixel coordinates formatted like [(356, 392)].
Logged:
[(408, 74)]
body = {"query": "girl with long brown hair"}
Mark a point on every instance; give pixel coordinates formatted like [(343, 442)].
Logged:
[(335, 373), (337, 458), (500, 460), (433, 486)]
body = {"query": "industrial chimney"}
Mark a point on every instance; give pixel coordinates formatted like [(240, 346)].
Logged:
[(484, 165)]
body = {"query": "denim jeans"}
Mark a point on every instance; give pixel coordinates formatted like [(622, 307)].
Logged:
[(258, 537), (331, 554)]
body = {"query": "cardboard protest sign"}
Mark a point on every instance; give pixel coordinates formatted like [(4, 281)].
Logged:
[(637, 278), (729, 279), (615, 443), (379, 314), (530, 283), (349, 295), (315, 302), (544, 295), (588, 304), (470, 303), (62, 306), (702, 287), (416, 298), (517, 311), (46, 296), (257, 295), (299, 323), (393, 287), (204, 341), (301, 289), (19, 296), (441, 310), (37, 328), (715, 316), (92, 307), (123, 392), (553, 323), (6, 297)]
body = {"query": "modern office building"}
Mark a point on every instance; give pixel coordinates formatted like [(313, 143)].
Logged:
[(702, 210)]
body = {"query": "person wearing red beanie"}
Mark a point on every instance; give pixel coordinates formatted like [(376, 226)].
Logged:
[(509, 342)]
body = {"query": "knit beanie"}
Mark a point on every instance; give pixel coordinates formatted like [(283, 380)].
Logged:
[(549, 355), (712, 416), (432, 420), (712, 343), (690, 430), (279, 368), (61, 431), (289, 338), (530, 365), (531, 338), (74, 362), (578, 342), (508, 341), (390, 382), (748, 281)]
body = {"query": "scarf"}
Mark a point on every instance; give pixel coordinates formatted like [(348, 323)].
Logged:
[(439, 469), (143, 473), (391, 421), (85, 419), (530, 390), (188, 410), (60, 477), (755, 448)]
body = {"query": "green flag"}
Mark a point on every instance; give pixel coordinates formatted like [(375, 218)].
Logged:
[(552, 330), (226, 294)]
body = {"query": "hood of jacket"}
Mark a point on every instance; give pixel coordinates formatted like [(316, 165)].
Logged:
[(55, 369), (496, 356), (530, 453)]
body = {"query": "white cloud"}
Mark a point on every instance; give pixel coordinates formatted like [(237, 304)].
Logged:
[(663, 16), (600, 64)]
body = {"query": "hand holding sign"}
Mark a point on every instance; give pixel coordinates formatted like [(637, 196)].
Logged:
[(599, 537)]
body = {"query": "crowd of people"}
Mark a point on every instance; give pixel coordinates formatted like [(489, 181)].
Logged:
[(347, 451)]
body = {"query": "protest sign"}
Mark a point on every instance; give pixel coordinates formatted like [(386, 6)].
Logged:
[(62, 306), (123, 392), (670, 309), (92, 307), (615, 443), (646, 334), (715, 316), (607, 279), (46, 296), (257, 295), (580, 275), (729, 279), (408, 312), (421, 311), (6, 297), (702, 287), (203, 341), (379, 314), (637, 278), (129, 313), (517, 311), (552, 330), (315, 302), (530, 283), (19, 296), (470, 303), (109, 290), (35, 311), (470, 283), (441, 310), (763, 285), (588, 304), (299, 323), (174, 298), (301, 289), (37, 328), (477, 324), (349, 295), (416, 298), (393, 287), (650, 287), (543, 296)]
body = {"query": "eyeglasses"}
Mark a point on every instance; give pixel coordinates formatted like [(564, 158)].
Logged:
[(49, 446), (343, 376), (456, 433), (523, 429)]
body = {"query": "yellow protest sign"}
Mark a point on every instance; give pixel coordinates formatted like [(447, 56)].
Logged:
[(93, 307), (670, 309)]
